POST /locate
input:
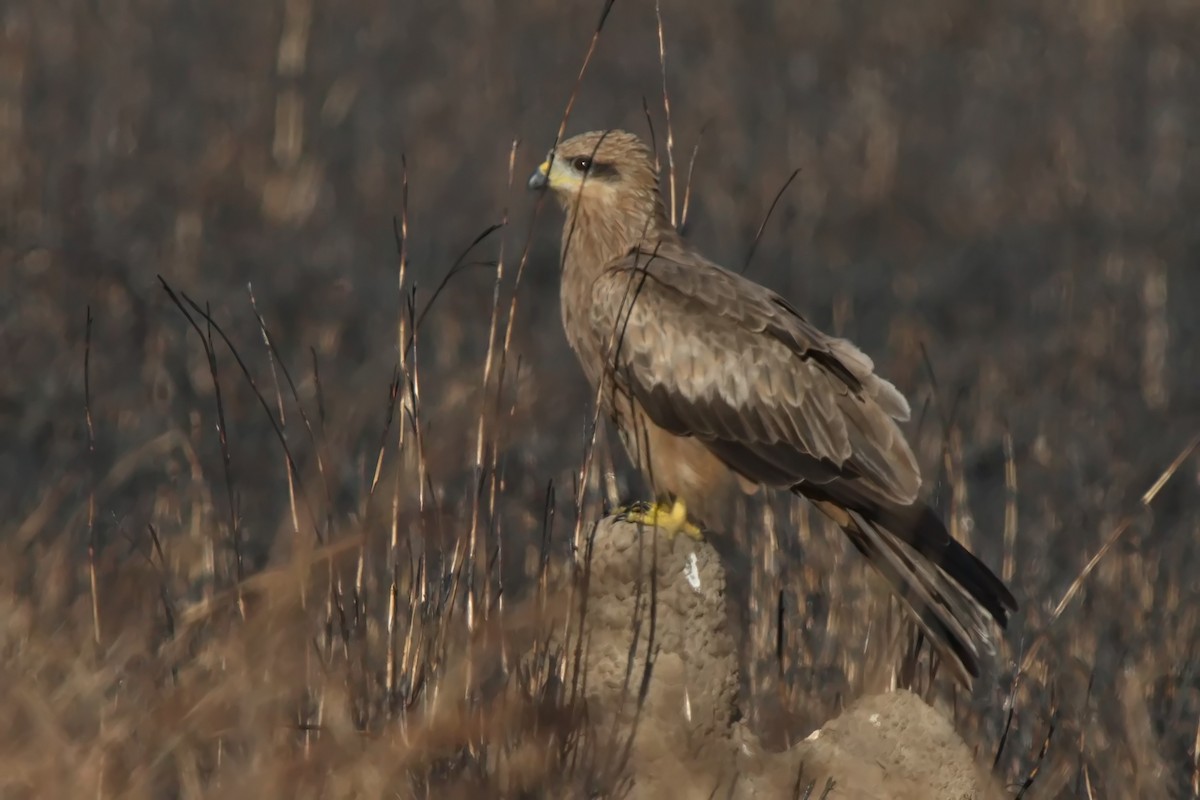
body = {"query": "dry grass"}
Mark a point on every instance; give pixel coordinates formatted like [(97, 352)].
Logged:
[(311, 575)]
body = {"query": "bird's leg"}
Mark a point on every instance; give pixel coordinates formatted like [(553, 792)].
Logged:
[(667, 514)]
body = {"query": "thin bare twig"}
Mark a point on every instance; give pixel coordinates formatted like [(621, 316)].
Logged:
[(1073, 589), (482, 423), (1008, 568), (587, 59), (400, 373), (91, 461), (459, 264), (662, 62), (687, 191), (183, 303), (762, 225)]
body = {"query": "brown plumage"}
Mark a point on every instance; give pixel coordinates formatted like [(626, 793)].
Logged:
[(714, 381)]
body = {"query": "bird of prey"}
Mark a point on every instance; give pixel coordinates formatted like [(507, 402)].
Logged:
[(715, 382)]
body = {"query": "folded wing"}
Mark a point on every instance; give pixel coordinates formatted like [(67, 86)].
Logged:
[(711, 355)]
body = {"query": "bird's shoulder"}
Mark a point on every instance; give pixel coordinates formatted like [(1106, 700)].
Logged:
[(710, 354), (671, 284), (671, 272)]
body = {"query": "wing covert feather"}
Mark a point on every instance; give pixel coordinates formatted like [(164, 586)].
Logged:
[(712, 355)]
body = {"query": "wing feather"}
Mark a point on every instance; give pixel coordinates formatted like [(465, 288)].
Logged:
[(711, 355)]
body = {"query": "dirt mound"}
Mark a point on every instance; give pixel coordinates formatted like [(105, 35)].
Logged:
[(683, 737)]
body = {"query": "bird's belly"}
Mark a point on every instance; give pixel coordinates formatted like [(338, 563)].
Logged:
[(680, 466)]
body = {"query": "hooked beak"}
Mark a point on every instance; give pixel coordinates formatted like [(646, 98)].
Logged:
[(540, 178)]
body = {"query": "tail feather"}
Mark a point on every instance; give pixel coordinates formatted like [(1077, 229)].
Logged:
[(938, 607), (921, 529), (948, 591)]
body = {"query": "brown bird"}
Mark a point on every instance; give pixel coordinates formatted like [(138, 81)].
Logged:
[(715, 382)]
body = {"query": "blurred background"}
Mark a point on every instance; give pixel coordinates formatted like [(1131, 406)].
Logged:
[(997, 201)]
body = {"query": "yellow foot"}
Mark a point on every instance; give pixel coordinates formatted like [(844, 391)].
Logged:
[(669, 517)]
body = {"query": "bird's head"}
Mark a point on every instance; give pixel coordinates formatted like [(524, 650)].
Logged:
[(608, 175)]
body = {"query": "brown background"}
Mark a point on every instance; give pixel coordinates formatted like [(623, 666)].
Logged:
[(1012, 186)]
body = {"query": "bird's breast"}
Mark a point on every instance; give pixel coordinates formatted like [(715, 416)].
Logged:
[(575, 302)]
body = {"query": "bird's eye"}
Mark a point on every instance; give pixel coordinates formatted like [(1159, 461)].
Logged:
[(582, 164)]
